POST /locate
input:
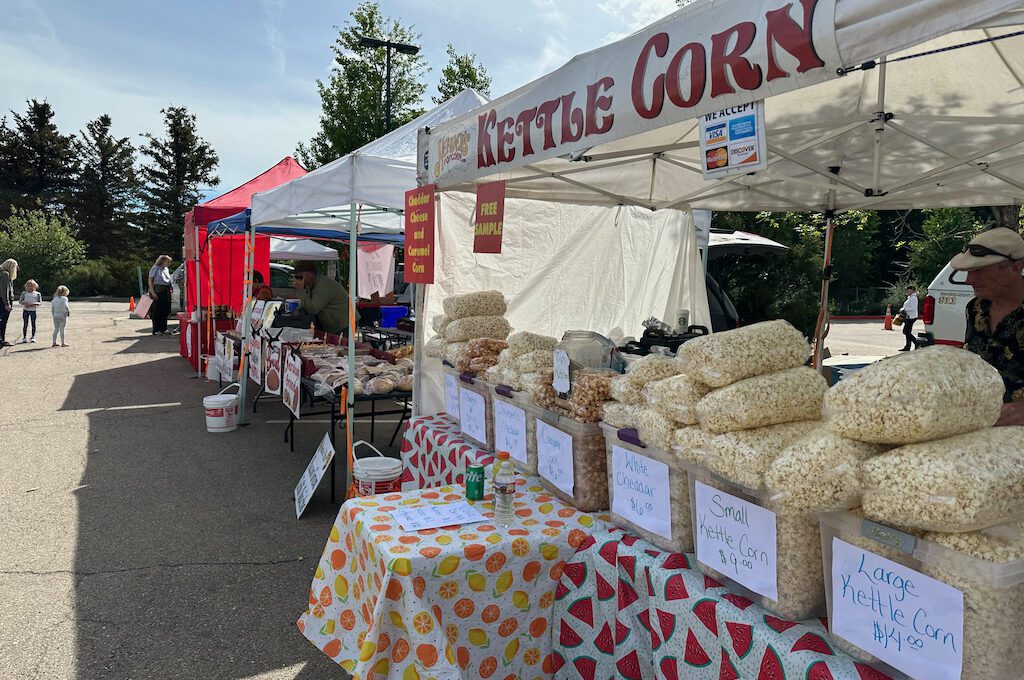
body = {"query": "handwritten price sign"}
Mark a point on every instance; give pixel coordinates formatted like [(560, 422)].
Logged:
[(736, 538), (510, 430), (554, 457), (451, 396), (908, 620), (473, 415), (640, 491)]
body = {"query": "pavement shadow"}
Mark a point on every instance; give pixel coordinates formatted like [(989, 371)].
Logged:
[(190, 562)]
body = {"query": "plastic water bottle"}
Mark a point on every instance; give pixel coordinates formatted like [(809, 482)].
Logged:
[(504, 489)]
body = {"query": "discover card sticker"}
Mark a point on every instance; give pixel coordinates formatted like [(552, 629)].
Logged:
[(736, 538), (910, 621)]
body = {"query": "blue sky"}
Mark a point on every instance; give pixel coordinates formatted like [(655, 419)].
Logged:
[(248, 69)]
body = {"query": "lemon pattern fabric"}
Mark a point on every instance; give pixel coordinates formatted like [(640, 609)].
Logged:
[(473, 601)]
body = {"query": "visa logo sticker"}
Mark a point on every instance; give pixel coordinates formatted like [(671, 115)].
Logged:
[(715, 134)]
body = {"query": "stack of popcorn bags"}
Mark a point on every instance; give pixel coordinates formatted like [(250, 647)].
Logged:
[(471, 333)]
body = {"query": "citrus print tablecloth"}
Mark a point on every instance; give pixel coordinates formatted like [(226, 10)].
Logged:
[(433, 453), (626, 610), (459, 602)]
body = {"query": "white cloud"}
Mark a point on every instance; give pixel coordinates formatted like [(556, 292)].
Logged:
[(273, 12), (633, 15)]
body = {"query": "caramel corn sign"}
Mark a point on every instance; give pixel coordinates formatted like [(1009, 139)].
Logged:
[(419, 235), (490, 217)]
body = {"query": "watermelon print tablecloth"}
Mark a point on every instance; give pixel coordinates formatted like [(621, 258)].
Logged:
[(625, 610), (460, 602), (433, 453)]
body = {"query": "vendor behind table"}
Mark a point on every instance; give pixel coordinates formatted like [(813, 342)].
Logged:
[(325, 299)]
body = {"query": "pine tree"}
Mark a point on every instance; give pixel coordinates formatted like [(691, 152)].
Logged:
[(353, 100), (462, 71), (107, 192), (181, 164), (37, 163)]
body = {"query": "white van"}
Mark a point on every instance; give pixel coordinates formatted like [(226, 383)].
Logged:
[(944, 312)]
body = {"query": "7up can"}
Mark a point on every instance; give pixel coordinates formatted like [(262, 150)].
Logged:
[(474, 482)]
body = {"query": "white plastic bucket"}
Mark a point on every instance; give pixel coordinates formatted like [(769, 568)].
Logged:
[(377, 474), (221, 411)]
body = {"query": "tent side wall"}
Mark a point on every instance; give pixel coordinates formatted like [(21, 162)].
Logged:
[(567, 267)]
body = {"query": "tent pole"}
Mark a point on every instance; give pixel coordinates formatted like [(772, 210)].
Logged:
[(821, 327), (198, 309), (876, 177), (243, 373), (350, 398)]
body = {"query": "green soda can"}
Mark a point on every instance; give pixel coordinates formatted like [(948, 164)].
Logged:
[(474, 482)]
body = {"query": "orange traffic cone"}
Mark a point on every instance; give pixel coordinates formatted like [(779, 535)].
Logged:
[(888, 317), (131, 304)]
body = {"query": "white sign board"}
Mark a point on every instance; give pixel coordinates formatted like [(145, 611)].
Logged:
[(640, 491), (473, 414), (733, 141), (291, 382), (256, 359), (219, 360), (554, 457), (256, 314), (187, 329), (451, 396), (273, 374), (314, 473), (510, 430), (908, 620), (434, 516), (736, 538), (560, 381)]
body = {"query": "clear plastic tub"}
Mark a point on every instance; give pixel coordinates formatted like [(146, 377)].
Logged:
[(665, 522), (571, 461), (476, 411), (798, 550), (993, 590), (515, 427)]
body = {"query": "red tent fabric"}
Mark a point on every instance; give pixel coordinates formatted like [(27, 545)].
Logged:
[(229, 251)]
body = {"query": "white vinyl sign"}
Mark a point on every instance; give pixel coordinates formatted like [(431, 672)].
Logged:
[(510, 430), (733, 141), (451, 396), (554, 457), (473, 415), (908, 620), (314, 473), (292, 382), (256, 359), (736, 538), (640, 491)]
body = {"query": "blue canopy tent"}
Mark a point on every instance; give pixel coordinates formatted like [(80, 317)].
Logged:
[(240, 223)]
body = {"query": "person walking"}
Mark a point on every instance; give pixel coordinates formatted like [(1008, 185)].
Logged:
[(160, 291), (8, 272), (30, 300), (61, 311), (909, 312)]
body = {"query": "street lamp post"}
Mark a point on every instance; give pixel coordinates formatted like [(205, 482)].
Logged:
[(388, 46)]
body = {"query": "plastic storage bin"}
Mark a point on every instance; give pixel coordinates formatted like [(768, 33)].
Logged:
[(993, 644), (798, 551), (476, 406), (658, 512), (389, 315), (571, 461), (515, 427)]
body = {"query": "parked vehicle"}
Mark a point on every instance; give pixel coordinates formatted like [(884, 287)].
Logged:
[(280, 281), (944, 312)]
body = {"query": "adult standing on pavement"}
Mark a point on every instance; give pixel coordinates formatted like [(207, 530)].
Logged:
[(160, 291), (322, 297), (8, 272), (994, 262), (909, 312)]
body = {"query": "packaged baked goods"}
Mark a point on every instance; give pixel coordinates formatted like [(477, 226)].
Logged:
[(744, 456), (676, 397), (931, 393), (532, 362), (383, 384), (525, 342), (620, 416), (655, 429), (481, 347), (786, 397), (480, 303), (962, 483), (471, 327), (723, 358)]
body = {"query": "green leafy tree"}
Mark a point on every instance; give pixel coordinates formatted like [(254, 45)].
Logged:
[(44, 246), (180, 164), (37, 163), (942, 235), (462, 71), (107, 193), (353, 99)]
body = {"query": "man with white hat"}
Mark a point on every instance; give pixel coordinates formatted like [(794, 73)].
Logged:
[(994, 262)]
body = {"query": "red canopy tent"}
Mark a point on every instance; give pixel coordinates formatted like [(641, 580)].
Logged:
[(229, 251)]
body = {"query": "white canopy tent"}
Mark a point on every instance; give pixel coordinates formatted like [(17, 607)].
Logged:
[(300, 249), (938, 130)]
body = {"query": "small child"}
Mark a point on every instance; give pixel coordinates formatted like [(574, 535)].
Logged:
[(61, 312), (30, 300)]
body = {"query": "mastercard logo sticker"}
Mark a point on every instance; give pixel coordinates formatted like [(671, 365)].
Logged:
[(717, 158)]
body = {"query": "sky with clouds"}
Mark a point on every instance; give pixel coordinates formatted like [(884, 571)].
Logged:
[(248, 68)]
